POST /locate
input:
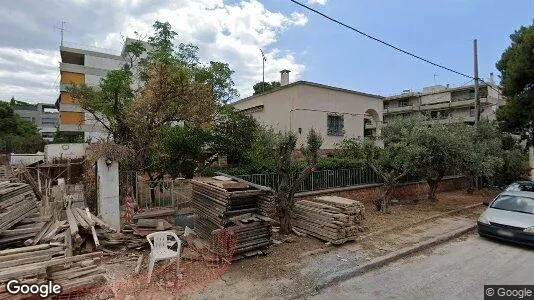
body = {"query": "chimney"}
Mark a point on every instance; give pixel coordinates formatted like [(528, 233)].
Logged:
[(284, 77), (491, 78)]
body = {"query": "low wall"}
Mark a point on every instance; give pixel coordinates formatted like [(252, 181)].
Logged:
[(402, 191), (373, 191)]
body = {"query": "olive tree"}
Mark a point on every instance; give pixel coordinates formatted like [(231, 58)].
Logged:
[(291, 178)]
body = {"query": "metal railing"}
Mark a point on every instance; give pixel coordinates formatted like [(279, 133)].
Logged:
[(150, 194), (320, 180)]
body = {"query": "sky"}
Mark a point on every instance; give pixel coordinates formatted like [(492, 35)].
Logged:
[(311, 47)]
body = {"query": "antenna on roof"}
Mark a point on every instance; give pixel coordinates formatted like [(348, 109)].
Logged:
[(263, 78), (62, 30)]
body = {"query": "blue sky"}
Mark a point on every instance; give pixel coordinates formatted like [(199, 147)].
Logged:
[(233, 31), (442, 31)]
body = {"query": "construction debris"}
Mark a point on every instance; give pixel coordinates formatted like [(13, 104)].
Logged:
[(329, 218), (227, 217), (41, 263)]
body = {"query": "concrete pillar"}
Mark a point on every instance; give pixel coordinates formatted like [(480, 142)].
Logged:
[(108, 192)]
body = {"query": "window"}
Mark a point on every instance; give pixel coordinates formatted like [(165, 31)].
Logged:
[(386, 105), (434, 114), (404, 102), (472, 111), (471, 94), (444, 114), (335, 125)]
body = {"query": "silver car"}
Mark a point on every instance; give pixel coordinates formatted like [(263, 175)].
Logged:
[(510, 217)]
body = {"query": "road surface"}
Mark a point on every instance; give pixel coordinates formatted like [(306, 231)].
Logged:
[(457, 270)]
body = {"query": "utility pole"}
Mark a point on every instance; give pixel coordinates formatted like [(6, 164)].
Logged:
[(263, 70), (477, 93)]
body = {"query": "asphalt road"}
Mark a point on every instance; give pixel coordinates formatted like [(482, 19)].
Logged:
[(456, 270)]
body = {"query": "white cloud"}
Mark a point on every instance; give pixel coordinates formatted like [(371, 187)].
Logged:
[(231, 33), (320, 2), (228, 33)]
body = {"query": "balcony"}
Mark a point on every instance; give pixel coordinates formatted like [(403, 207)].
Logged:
[(391, 110)]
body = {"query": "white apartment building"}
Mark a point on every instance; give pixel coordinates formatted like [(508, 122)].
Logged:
[(445, 103)]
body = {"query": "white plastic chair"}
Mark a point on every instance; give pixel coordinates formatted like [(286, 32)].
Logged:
[(160, 250)]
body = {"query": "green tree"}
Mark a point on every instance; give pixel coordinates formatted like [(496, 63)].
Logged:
[(290, 177), (391, 162), (61, 137), (517, 80), (483, 154), (263, 87), (16, 134), (175, 89)]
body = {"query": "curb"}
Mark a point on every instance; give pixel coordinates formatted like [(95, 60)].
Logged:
[(388, 258)]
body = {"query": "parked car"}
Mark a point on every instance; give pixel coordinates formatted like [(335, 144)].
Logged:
[(527, 186), (509, 217)]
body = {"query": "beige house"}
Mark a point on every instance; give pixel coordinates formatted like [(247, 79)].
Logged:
[(335, 113), (445, 103)]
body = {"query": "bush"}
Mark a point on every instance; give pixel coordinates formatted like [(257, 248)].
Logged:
[(515, 167)]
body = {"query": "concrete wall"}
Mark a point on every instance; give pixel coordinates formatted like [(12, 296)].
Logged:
[(103, 62), (108, 192), (64, 151), (306, 106)]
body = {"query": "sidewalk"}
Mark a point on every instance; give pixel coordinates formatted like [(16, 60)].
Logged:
[(304, 273)]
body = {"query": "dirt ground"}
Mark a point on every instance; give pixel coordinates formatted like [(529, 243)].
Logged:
[(285, 255)]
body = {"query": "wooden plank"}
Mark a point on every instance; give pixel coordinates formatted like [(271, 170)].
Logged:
[(73, 226), (23, 261), (68, 243), (40, 234), (93, 232), (30, 268), (79, 219), (85, 216), (24, 249)]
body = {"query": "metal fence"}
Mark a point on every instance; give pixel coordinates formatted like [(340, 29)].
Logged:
[(320, 180), (160, 193)]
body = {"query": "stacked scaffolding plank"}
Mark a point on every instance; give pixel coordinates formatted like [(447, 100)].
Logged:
[(227, 217), (41, 263), (17, 202), (329, 218)]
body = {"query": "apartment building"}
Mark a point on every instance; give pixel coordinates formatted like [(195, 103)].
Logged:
[(336, 113), (445, 103), (83, 66), (44, 115)]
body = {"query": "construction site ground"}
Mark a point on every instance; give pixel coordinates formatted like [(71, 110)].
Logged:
[(296, 263)]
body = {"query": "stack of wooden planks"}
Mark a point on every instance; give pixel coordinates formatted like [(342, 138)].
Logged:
[(41, 263), (329, 218), (227, 216), (266, 205), (17, 203), (5, 172)]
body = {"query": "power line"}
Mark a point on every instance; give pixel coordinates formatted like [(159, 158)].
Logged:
[(381, 41)]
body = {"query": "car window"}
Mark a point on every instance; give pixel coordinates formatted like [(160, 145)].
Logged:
[(514, 203), (518, 187), (514, 187)]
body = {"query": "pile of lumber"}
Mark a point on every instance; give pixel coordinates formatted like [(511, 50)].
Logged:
[(5, 172), (329, 218), (41, 263), (227, 216), (267, 206), (17, 203)]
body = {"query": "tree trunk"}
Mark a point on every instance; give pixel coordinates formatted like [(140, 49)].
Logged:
[(470, 187), (432, 188), (285, 221)]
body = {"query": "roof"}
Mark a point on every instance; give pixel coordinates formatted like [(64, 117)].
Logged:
[(519, 194), (301, 82), (422, 93)]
